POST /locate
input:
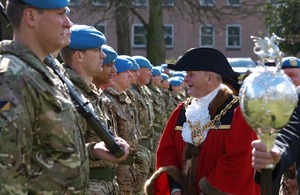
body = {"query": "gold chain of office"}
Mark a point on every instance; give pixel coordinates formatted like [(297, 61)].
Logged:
[(197, 131)]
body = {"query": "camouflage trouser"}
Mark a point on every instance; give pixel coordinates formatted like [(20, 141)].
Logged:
[(127, 180), (153, 162), (100, 187), (156, 138), (142, 168)]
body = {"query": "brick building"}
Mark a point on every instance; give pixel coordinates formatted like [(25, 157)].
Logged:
[(232, 36)]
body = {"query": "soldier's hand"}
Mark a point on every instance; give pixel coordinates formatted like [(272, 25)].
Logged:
[(125, 146), (101, 152), (177, 193), (261, 158)]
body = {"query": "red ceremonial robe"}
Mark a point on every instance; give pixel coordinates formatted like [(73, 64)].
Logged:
[(224, 163)]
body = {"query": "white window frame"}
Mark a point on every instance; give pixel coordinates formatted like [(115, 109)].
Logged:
[(138, 3), (101, 25), (168, 3), (104, 4), (171, 35), (205, 4), (139, 35), (234, 4), (232, 36), (203, 35)]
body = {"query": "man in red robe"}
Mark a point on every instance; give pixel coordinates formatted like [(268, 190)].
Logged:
[(206, 145)]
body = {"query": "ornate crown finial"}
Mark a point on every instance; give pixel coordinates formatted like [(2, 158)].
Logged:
[(268, 50)]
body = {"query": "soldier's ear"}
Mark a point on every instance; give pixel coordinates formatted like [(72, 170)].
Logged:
[(30, 16), (78, 56)]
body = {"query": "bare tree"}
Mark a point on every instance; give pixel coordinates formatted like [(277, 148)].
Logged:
[(156, 50), (122, 26), (191, 11), (194, 12)]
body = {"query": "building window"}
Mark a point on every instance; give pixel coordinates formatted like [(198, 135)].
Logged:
[(207, 3), (168, 3), (74, 2), (207, 35), (234, 3), (233, 36), (139, 3), (139, 36), (102, 3), (169, 35), (101, 27)]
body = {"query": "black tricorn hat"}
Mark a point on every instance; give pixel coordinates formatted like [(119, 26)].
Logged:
[(233, 82), (204, 59)]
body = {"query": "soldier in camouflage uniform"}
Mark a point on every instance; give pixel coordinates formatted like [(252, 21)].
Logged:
[(183, 93), (142, 157), (176, 89), (135, 71), (144, 107), (83, 59), (42, 144), (170, 102), (124, 116), (159, 106), (165, 69), (104, 79)]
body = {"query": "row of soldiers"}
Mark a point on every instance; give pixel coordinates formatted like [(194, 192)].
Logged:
[(47, 146), (131, 96)]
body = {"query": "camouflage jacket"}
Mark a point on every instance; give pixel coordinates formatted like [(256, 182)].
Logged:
[(171, 103), (130, 95), (42, 147), (124, 117), (92, 94), (144, 107), (159, 108)]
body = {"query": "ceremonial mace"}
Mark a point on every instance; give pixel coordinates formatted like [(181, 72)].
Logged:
[(267, 99)]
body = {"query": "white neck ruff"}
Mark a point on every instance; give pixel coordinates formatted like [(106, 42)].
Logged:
[(198, 111)]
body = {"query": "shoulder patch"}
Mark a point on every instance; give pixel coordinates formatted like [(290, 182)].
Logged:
[(4, 105)]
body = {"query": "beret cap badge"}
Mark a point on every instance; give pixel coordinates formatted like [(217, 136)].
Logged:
[(293, 62)]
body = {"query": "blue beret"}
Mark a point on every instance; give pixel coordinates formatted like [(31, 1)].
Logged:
[(175, 81), (86, 37), (110, 53), (142, 62), (155, 71), (204, 59), (164, 76), (290, 62), (44, 4), (180, 78), (163, 66), (179, 74), (122, 64), (135, 65)]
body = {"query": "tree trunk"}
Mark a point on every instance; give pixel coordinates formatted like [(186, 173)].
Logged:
[(122, 27), (156, 49)]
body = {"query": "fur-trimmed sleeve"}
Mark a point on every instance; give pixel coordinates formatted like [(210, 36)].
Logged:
[(159, 175)]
